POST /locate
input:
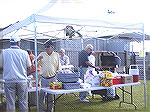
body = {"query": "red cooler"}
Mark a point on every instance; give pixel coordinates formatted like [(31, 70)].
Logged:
[(117, 80)]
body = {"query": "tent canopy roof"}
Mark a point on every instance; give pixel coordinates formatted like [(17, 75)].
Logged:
[(53, 27)]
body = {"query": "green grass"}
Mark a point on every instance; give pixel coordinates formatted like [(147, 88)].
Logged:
[(70, 102)]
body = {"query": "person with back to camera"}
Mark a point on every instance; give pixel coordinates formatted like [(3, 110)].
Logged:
[(33, 68), (64, 59), (31, 55), (84, 63), (32, 77), (50, 65), (16, 63)]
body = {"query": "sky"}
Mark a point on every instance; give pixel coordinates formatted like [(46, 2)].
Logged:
[(131, 11), (124, 10)]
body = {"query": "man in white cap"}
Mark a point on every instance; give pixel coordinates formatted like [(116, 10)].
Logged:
[(64, 59), (16, 63), (84, 63)]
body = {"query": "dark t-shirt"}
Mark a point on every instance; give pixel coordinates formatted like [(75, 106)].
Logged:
[(83, 57)]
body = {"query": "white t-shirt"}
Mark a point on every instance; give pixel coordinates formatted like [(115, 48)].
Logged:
[(90, 73), (15, 64), (92, 60)]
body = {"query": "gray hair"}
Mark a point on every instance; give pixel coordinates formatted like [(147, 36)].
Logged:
[(62, 50), (89, 46)]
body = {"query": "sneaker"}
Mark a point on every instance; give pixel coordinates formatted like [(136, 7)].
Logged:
[(104, 99), (84, 100), (110, 98), (116, 97)]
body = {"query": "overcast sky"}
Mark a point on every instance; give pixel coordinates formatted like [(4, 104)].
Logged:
[(130, 11), (124, 10)]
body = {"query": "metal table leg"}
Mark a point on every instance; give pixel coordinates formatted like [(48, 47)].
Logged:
[(130, 93), (55, 98)]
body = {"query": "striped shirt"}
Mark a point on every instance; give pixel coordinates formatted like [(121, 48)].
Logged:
[(50, 64)]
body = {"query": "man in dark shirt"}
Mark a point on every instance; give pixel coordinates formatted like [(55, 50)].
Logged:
[(83, 57), (84, 63)]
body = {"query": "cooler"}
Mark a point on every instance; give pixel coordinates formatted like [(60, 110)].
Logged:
[(134, 71)]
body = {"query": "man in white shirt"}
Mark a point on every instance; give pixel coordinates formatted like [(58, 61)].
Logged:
[(16, 62)]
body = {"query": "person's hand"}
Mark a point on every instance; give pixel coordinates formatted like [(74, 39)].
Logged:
[(40, 57), (97, 68)]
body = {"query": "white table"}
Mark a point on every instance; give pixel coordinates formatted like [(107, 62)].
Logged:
[(121, 86), (63, 91)]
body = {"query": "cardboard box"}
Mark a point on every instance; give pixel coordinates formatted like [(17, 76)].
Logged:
[(135, 78), (107, 82), (127, 79)]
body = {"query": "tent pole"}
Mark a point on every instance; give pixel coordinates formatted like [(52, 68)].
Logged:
[(35, 50), (144, 69), (82, 43)]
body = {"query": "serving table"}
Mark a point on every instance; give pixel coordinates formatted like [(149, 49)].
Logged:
[(58, 93)]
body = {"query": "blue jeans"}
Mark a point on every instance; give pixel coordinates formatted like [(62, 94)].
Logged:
[(83, 95), (43, 95)]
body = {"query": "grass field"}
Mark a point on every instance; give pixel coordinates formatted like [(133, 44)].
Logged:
[(70, 102)]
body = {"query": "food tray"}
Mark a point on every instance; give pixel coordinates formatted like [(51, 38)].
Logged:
[(71, 86), (71, 77)]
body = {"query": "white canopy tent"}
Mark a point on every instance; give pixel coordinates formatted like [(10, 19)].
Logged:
[(85, 19), (41, 27), (54, 25)]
